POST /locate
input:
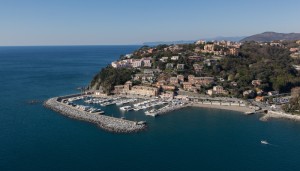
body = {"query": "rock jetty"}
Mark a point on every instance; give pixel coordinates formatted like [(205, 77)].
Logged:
[(108, 123)]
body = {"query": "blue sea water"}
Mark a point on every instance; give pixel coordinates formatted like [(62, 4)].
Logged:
[(34, 138)]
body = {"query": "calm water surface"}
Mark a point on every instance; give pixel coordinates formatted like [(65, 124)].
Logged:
[(34, 138)]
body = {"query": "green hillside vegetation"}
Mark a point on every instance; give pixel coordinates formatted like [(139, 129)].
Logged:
[(270, 64), (108, 77)]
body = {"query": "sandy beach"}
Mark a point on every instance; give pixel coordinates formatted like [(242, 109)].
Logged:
[(232, 108)]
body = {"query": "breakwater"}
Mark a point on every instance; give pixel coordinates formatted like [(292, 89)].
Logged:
[(108, 123), (279, 115)]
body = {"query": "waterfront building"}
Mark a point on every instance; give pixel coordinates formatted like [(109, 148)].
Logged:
[(118, 89), (143, 91), (217, 90), (168, 95), (128, 85)]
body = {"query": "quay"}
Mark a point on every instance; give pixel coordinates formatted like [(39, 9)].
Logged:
[(107, 123)]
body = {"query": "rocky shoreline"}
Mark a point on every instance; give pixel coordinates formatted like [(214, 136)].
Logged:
[(279, 115), (107, 123)]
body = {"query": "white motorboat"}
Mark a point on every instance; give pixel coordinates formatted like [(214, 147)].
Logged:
[(126, 108), (264, 142)]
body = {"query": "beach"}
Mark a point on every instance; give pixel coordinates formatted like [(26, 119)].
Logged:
[(223, 107)]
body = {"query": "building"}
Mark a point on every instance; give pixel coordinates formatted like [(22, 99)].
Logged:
[(147, 62), (121, 64), (233, 51), (256, 82), (180, 78), (160, 83), (174, 58), (128, 85), (209, 48), (203, 80), (118, 89), (169, 66), (191, 79), (195, 58), (143, 91), (167, 95), (168, 87), (174, 80), (187, 86), (294, 50), (217, 90), (199, 42), (249, 93), (164, 59), (259, 98), (137, 63), (197, 67), (298, 42), (273, 93), (180, 66), (233, 83)]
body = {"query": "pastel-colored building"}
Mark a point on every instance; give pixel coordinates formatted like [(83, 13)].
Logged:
[(174, 80), (180, 78), (187, 86)]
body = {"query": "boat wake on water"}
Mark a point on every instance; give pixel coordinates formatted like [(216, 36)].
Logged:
[(265, 142)]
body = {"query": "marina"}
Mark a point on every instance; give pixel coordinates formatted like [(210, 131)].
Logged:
[(93, 115)]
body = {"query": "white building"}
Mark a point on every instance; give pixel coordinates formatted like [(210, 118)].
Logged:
[(174, 58)]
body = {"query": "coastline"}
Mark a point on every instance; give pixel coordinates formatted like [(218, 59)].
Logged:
[(242, 109), (279, 115), (107, 123)]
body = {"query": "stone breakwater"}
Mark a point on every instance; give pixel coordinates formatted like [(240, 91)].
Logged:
[(108, 123), (279, 115)]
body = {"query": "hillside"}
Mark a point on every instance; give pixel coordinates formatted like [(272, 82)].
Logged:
[(270, 36)]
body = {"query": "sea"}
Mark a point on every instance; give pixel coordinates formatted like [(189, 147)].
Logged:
[(33, 138)]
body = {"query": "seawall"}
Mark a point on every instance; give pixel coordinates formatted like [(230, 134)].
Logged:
[(108, 123)]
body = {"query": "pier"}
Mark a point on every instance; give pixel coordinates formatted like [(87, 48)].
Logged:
[(108, 123)]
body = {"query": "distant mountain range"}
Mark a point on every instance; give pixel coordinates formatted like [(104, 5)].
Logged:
[(270, 36), (235, 39), (262, 37)]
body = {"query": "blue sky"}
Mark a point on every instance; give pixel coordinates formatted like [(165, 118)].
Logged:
[(99, 22)]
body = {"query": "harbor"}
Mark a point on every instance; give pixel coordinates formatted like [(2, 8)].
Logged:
[(112, 124)]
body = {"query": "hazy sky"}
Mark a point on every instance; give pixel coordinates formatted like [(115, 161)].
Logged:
[(87, 22)]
